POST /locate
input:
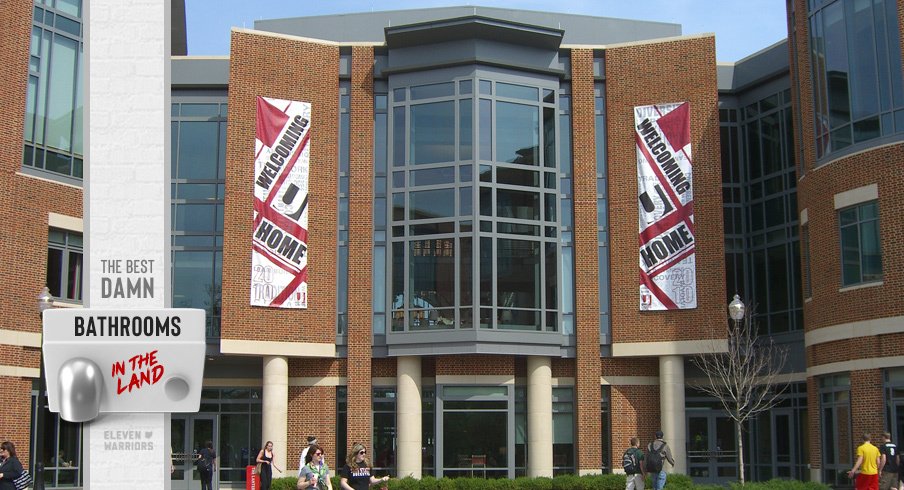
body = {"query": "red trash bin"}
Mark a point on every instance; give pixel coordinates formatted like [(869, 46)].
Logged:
[(252, 479)]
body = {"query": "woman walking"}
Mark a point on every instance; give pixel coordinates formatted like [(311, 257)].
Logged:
[(265, 458), (355, 475), (315, 474), (10, 467)]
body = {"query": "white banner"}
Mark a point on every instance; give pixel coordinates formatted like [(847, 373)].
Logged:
[(668, 276), (279, 256)]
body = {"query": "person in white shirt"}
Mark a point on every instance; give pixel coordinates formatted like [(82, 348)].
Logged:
[(304, 459)]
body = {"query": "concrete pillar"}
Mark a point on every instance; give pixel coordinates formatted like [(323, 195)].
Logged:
[(408, 417), (275, 416), (671, 403), (539, 416)]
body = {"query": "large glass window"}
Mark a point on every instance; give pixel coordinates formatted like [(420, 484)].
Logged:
[(602, 207), (64, 264), (384, 430), (563, 431), (606, 429), (239, 418), (475, 422), (759, 193), (343, 204), (198, 188), (861, 255), (54, 102), (856, 62), (835, 418), (438, 217), (61, 450)]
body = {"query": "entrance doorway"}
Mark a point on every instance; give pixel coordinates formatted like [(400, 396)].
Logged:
[(712, 455), (189, 434)]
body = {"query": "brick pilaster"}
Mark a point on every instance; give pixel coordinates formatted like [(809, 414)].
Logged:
[(586, 281), (360, 248)]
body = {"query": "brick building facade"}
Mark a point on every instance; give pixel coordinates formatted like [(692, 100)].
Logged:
[(452, 367)]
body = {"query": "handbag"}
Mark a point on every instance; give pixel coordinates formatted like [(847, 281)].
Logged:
[(257, 470), (23, 481)]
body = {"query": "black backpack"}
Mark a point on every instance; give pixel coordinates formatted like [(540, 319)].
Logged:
[(653, 458), (629, 461), (203, 464)]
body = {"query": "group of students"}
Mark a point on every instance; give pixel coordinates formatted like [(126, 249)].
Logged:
[(313, 472), (638, 463), (878, 467)]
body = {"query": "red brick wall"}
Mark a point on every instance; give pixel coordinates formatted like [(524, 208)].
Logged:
[(656, 73), (563, 368), (289, 69), (881, 166), (635, 413), (360, 250), (475, 365), (867, 403), (856, 348), (24, 206), (384, 367), (813, 422), (312, 412), (828, 306), (634, 408), (586, 280), (15, 397)]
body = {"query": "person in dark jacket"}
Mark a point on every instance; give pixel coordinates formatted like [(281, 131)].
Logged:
[(208, 455), (10, 467)]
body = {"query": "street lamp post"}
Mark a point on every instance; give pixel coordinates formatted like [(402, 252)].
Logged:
[(736, 309), (45, 302)]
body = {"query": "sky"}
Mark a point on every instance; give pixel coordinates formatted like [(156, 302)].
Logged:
[(742, 27)]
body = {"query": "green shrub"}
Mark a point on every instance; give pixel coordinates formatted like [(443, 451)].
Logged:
[(563, 482), (781, 485), (285, 483)]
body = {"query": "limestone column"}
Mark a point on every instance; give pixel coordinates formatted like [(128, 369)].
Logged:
[(539, 416), (275, 416), (671, 403), (408, 416)]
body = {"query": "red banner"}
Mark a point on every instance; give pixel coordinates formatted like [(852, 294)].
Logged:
[(279, 244), (668, 277)]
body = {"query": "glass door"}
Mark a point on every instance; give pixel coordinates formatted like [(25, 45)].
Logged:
[(188, 435), (712, 455), (783, 445)]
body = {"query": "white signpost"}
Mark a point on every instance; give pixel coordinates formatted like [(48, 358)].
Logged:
[(152, 365)]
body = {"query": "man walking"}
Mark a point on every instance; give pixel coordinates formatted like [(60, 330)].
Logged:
[(868, 462), (657, 451), (888, 464), (304, 458), (632, 462)]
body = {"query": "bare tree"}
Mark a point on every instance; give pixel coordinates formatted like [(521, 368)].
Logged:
[(746, 378)]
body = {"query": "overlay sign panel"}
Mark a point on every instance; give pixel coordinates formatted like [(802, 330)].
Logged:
[(279, 255), (667, 246)]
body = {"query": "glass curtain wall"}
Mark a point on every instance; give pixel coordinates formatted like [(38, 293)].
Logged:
[(198, 181), (474, 225), (240, 426), (855, 57), (771, 200), (54, 103)]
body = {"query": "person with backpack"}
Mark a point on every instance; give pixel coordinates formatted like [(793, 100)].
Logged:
[(205, 465), (657, 451), (888, 464), (632, 462)]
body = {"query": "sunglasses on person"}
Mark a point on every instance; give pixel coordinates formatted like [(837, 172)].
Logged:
[(363, 451), (318, 453)]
